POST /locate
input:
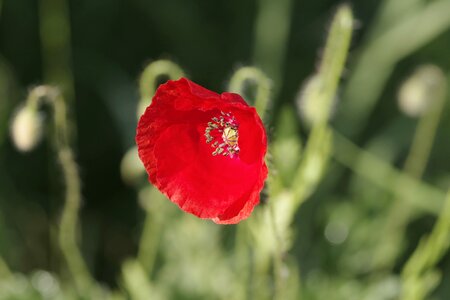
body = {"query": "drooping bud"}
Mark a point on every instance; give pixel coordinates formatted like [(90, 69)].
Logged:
[(417, 93), (131, 167), (26, 128)]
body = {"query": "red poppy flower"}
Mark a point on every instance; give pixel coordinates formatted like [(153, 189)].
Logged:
[(203, 150)]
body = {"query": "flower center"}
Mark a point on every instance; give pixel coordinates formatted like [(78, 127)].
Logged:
[(223, 134)]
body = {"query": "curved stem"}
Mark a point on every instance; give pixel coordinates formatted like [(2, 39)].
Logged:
[(68, 230), (422, 262), (253, 272), (68, 226), (149, 80), (149, 242), (253, 75)]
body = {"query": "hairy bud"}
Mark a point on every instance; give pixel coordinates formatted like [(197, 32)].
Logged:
[(26, 129), (416, 94), (312, 103), (131, 167)]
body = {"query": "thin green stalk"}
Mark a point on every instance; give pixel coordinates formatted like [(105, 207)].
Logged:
[(271, 228), (415, 163), (278, 254), (419, 275), (426, 130), (153, 225), (335, 54), (242, 263), (315, 159), (382, 174), (329, 73), (149, 80), (271, 238), (380, 56), (55, 37), (269, 48), (148, 245), (136, 282), (246, 75), (55, 40), (68, 226), (390, 12), (69, 222)]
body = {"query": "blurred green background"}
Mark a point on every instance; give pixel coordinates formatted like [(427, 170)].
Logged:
[(95, 51)]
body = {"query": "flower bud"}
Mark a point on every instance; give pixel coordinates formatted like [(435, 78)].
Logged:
[(26, 129), (312, 102), (131, 167), (417, 92)]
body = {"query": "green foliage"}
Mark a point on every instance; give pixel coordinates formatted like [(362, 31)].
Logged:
[(419, 274), (355, 205)]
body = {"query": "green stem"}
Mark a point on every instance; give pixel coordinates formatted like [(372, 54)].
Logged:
[(415, 163), (151, 233), (330, 70), (422, 262), (315, 159), (246, 75), (242, 263), (55, 40), (68, 226), (380, 57), (279, 280), (390, 12), (270, 41), (336, 51), (313, 163), (426, 132), (5, 272), (149, 80), (148, 245), (136, 282), (382, 174)]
